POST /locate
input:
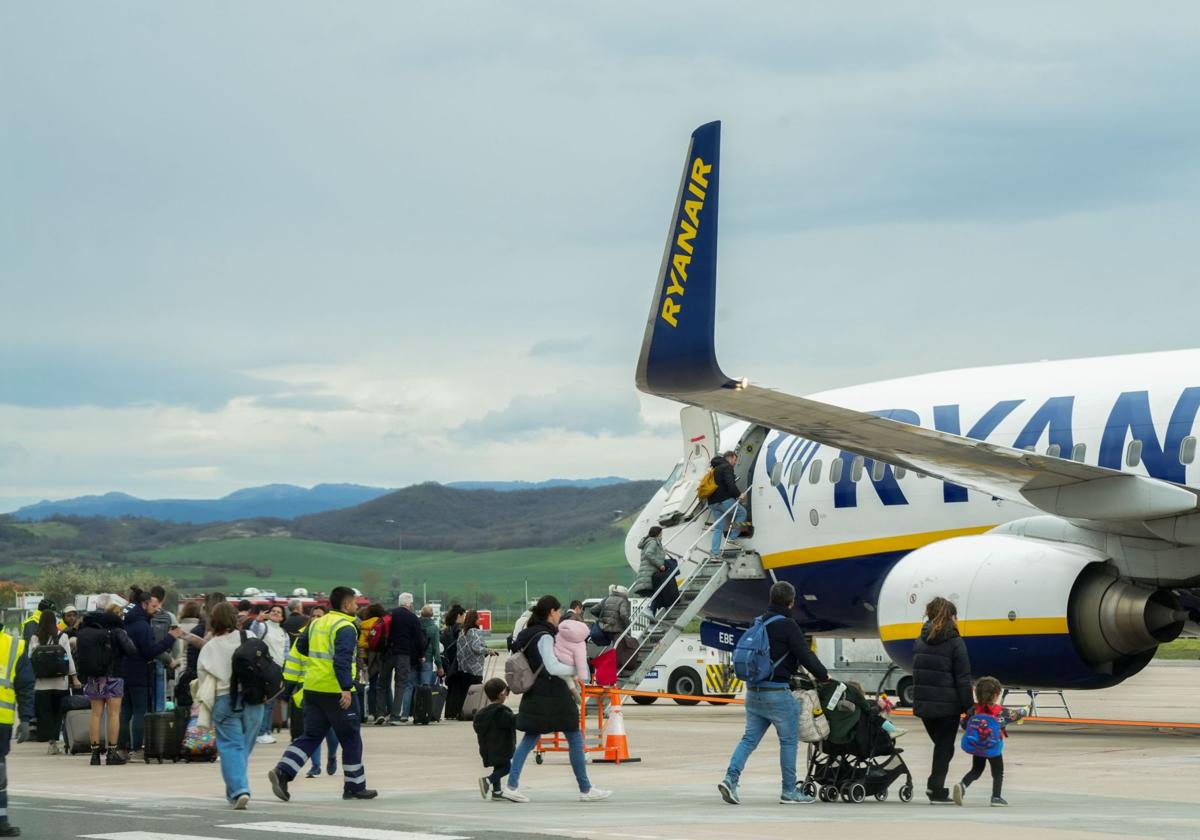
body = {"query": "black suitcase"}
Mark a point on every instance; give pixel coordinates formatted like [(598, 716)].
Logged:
[(428, 703), (162, 737)]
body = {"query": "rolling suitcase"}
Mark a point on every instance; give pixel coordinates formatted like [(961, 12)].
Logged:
[(428, 703), (162, 737), (77, 722), (475, 702)]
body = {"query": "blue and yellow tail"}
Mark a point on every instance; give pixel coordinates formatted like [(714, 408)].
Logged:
[(678, 352)]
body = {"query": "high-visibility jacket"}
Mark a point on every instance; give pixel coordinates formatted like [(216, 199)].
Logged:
[(33, 620), (319, 645), (10, 651), (293, 672)]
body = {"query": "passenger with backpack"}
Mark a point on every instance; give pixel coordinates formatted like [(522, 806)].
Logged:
[(547, 704), (100, 647), (54, 668), (724, 495), (372, 644), (766, 657), (456, 684), (984, 731), (235, 717)]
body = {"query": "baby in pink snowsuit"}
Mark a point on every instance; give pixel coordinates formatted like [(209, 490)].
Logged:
[(570, 646)]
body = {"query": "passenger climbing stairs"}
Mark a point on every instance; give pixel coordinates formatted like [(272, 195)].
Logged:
[(703, 576)]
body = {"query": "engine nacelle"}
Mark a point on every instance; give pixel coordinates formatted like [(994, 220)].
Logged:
[(1033, 613)]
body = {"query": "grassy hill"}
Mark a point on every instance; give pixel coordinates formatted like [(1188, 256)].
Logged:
[(487, 579), (432, 516)]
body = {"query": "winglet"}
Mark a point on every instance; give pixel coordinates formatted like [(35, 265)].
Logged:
[(678, 353)]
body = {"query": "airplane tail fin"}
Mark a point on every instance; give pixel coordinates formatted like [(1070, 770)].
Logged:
[(678, 352)]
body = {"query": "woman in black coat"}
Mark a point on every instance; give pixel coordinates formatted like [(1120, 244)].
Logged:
[(941, 688), (549, 705)]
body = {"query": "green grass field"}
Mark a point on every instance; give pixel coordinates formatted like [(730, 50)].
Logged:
[(495, 579), (50, 530), (1180, 649)]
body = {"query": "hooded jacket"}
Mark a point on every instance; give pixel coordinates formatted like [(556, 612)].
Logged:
[(570, 646), (653, 556), (122, 647), (613, 614), (136, 669), (496, 728), (726, 479), (941, 674)]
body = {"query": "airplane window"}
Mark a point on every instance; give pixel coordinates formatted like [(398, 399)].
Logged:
[(1053, 450), (814, 472), (899, 472), (1133, 455), (1079, 452), (674, 476), (777, 473), (878, 470), (1187, 450), (835, 470), (795, 472), (856, 468)]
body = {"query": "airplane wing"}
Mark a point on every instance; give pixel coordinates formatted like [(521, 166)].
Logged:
[(678, 361)]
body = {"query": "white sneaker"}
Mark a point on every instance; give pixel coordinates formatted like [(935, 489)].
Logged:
[(512, 795), (595, 795), (241, 802), (265, 739)]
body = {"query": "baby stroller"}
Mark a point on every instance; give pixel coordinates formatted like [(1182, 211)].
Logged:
[(858, 759)]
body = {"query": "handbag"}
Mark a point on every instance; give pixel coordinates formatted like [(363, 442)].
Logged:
[(814, 725)]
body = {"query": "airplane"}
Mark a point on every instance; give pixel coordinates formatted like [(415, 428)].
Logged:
[(1056, 503)]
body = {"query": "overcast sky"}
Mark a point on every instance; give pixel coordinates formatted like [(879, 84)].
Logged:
[(386, 243)]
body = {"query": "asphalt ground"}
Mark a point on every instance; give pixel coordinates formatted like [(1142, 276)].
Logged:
[(1062, 782)]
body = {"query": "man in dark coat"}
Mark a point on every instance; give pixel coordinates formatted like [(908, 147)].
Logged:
[(405, 649), (941, 689), (138, 671), (726, 496)]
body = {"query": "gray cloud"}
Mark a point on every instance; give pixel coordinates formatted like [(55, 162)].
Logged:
[(305, 402), (583, 411)]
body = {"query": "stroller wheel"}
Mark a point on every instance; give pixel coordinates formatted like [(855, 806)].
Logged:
[(858, 793), (881, 796), (845, 791), (809, 788), (829, 793), (906, 793)]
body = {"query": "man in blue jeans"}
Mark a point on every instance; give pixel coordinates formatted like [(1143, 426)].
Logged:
[(726, 496), (771, 703)]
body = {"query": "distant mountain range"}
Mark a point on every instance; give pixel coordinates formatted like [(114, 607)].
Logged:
[(281, 501)]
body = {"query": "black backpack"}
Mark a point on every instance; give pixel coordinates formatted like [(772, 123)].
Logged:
[(49, 660), (94, 652), (256, 677)]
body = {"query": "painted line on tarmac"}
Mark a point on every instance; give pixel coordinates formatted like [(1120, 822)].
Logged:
[(349, 832), (143, 835)]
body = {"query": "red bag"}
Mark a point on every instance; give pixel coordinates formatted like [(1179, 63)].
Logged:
[(377, 635), (604, 668)]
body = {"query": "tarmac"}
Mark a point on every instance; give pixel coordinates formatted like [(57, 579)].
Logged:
[(1063, 783)]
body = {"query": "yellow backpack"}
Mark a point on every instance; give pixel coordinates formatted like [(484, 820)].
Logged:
[(708, 484)]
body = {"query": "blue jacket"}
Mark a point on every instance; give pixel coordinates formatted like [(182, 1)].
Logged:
[(137, 671)]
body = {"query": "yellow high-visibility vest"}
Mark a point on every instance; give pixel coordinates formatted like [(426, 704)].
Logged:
[(293, 672), (34, 619), (10, 651), (318, 670)]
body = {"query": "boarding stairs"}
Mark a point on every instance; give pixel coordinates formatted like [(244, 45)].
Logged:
[(655, 633)]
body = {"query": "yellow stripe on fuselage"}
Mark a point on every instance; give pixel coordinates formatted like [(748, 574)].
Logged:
[(862, 548), (982, 627)]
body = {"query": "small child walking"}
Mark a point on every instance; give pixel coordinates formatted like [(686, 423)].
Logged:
[(496, 730), (984, 739)]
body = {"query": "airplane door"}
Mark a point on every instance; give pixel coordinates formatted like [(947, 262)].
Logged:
[(701, 436)]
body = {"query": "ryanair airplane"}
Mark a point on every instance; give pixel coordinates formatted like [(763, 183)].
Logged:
[(1056, 503)]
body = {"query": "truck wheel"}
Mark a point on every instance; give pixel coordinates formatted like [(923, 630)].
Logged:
[(643, 701), (905, 692), (685, 681), (723, 697)]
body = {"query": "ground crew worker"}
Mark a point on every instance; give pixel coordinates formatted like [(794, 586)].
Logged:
[(323, 663), (16, 691), (30, 625)]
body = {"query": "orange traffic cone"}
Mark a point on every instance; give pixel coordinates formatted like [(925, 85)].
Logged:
[(616, 745)]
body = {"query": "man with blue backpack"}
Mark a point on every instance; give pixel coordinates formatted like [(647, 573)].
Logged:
[(766, 657)]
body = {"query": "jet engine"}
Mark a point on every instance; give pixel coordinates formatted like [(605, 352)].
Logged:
[(1034, 613)]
